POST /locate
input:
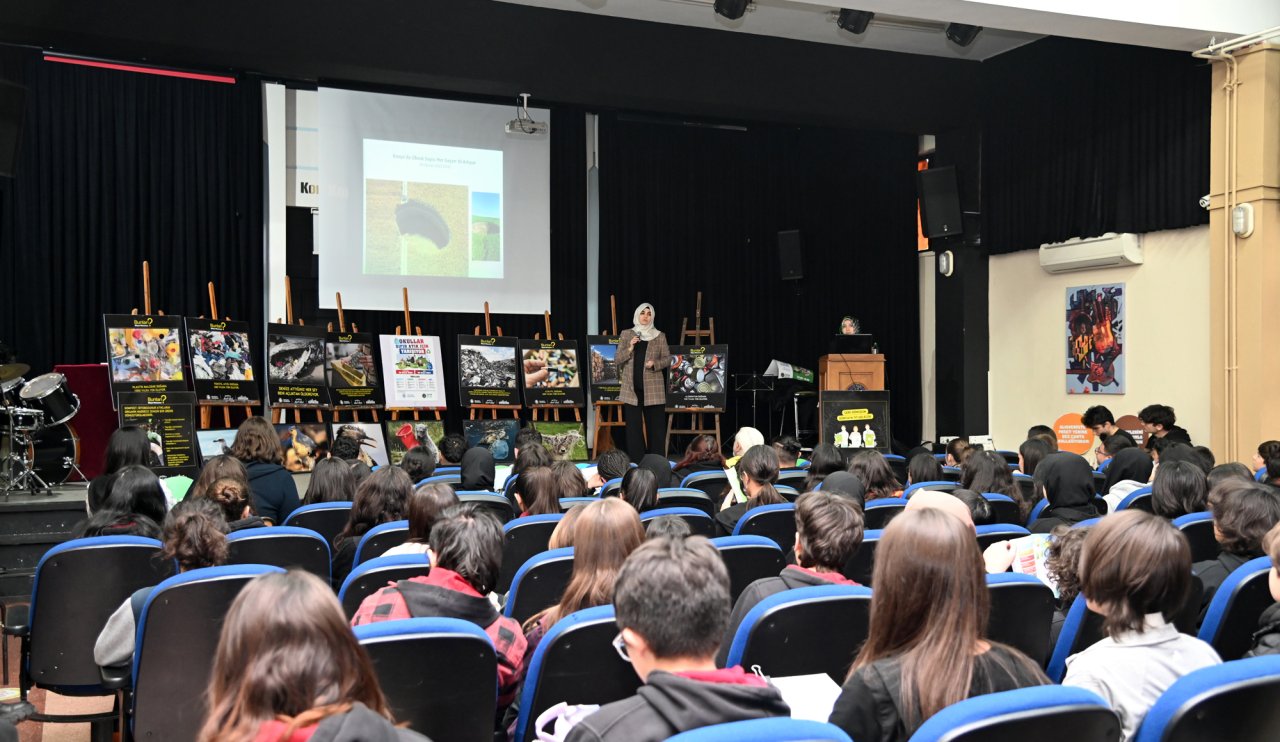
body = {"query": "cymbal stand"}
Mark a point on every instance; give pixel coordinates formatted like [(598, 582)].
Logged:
[(69, 463)]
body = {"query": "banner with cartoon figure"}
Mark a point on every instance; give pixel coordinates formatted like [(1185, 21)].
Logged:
[(145, 353), (852, 421), (1095, 339)]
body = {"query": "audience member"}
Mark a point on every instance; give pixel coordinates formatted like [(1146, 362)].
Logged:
[(526, 435), (1266, 640), (537, 492), (923, 467), (610, 465), (1135, 572), (289, 668), (927, 647), (135, 506), (660, 467), (1031, 453), (745, 439), (667, 526), (562, 536), (1130, 469), (788, 449), (956, 448), (1062, 563), (876, 475), (703, 454), (379, 499), (234, 499), (1103, 424), (452, 447), (1243, 512), (477, 470), (979, 506), (639, 490), (847, 485), (466, 554), (347, 450), (828, 533), (1207, 459), (1167, 451), (672, 604), (331, 481), (569, 480), (757, 471), (1109, 447), (987, 471), (1066, 480), (1223, 472), (423, 510), (1267, 450), (274, 493), (418, 463), (1158, 421), (826, 459), (127, 446), (532, 456), (1177, 489), (219, 467)]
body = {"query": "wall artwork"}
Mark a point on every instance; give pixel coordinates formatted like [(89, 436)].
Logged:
[(1095, 339)]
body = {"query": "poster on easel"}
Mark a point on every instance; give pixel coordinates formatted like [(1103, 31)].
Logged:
[(605, 384), (488, 373), (854, 421), (303, 445), (221, 361), (699, 377), (552, 375), (414, 375), (296, 366), (168, 419), (145, 353), (565, 441), (373, 443), (405, 435), (351, 370), (499, 436)]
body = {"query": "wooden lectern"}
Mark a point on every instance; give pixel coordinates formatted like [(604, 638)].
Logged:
[(837, 371)]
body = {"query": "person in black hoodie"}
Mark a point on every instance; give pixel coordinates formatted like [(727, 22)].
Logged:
[(275, 495), (672, 604), (828, 532), (1266, 640), (1243, 512), (1130, 468), (1066, 480), (477, 470)]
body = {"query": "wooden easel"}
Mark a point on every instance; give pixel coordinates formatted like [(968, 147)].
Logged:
[(146, 291), (342, 327), (277, 411), (608, 414), (409, 329), (492, 408), (697, 419), (206, 408), (554, 409)]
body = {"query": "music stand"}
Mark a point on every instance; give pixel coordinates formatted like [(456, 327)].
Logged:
[(754, 383)]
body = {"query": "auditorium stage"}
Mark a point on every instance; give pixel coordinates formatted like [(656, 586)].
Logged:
[(30, 525)]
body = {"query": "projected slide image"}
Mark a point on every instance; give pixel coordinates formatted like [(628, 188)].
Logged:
[(415, 229), (486, 227)]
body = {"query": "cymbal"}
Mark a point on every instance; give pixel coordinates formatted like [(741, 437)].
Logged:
[(11, 371)]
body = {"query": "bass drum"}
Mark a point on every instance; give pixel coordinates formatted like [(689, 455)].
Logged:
[(47, 450)]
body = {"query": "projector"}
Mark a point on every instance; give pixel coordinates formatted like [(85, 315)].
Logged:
[(526, 127)]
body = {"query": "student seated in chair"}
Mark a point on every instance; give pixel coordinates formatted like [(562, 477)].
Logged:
[(757, 471), (1103, 424), (1266, 640), (1158, 421), (466, 555), (672, 604), (452, 447), (788, 449), (1243, 512), (828, 532)]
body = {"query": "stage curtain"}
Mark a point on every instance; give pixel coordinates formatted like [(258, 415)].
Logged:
[(1082, 138), (688, 208), (116, 168)]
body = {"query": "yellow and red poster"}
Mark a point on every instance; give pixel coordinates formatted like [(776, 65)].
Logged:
[(1095, 339)]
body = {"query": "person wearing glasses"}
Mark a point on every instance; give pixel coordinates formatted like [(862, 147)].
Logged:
[(672, 604)]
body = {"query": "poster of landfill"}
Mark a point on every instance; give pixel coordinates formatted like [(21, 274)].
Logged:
[(221, 361), (296, 366), (488, 373), (552, 375)]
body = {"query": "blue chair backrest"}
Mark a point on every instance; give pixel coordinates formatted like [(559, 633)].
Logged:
[(687, 497), (448, 470), (804, 631), (508, 485), (1198, 528), (1026, 484), (1261, 474), (937, 484), (710, 482), (539, 583), (176, 641), (1103, 466), (576, 663), (898, 464), (281, 546), (78, 584), (1069, 639), (699, 522), (861, 564), (496, 505), (877, 513), (777, 522), (951, 473), (522, 538), (1235, 700), (1233, 613), (568, 502), (1046, 713), (1010, 457), (1003, 508), (990, 534), (941, 458), (440, 675), (611, 488), (792, 477), (776, 729), (790, 493), (379, 539), (1021, 613), (438, 478), (1135, 499), (1036, 510), (748, 558), (325, 518), (374, 574)]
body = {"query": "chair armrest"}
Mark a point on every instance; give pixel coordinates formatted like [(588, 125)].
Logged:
[(16, 620), (115, 677)]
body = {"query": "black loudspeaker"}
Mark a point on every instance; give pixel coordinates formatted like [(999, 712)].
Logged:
[(939, 203), (12, 105), (789, 257)]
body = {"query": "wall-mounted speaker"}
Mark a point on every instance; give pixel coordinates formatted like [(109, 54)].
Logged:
[(939, 202), (790, 260)]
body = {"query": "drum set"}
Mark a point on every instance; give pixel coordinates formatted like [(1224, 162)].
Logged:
[(37, 434)]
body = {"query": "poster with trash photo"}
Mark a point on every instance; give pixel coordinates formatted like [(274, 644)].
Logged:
[(144, 353), (222, 362), (296, 366), (499, 436), (853, 421), (699, 377), (603, 368), (552, 375), (351, 370), (488, 372)]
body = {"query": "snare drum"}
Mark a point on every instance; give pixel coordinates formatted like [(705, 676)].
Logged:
[(51, 394)]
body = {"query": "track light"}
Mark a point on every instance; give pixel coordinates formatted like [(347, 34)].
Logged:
[(962, 34), (731, 9), (854, 21)]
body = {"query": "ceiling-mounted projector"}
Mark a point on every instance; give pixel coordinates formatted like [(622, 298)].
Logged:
[(523, 124)]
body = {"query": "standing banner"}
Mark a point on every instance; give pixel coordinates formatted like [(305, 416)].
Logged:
[(1095, 339), (351, 369), (221, 361), (605, 384), (499, 436), (168, 418), (405, 435), (413, 374), (855, 420), (487, 370), (565, 441), (552, 375), (296, 366), (145, 353), (699, 377)]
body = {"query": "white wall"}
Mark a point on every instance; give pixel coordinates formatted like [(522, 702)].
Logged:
[(928, 271), (1166, 337)]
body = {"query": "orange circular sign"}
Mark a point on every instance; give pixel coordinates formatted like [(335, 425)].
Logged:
[(1072, 435)]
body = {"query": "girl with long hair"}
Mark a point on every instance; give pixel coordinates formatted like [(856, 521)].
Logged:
[(257, 447), (288, 667), (127, 446), (757, 470), (569, 479), (135, 506), (923, 467), (639, 489), (426, 504), (987, 471), (825, 459), (703, 454), (927, 647), (876, 475), (379, 499), (539, 493), (331, 481), (218, 467)]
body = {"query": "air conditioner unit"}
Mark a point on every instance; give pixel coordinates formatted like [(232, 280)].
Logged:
[(1086, 253)]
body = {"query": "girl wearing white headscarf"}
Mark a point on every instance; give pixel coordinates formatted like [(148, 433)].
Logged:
[(742, 442), (642, 358)]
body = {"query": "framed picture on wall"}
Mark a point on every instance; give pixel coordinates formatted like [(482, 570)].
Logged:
[(1095, 339)]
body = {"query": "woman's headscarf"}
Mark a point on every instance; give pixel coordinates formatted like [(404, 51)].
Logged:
[(844, 483), (1128, 463), (1067, 480), (477, 469), (649, 331), (660, 467), (857, 326)]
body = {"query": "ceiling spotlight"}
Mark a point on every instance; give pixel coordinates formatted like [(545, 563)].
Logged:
[(731, 9), (962, 34), (854, 21)]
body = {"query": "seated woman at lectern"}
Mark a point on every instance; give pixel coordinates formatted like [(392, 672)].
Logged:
[(849, 325), (642, 357)]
